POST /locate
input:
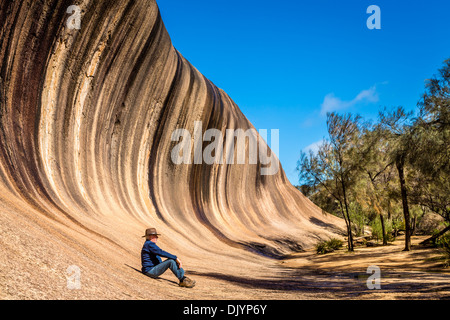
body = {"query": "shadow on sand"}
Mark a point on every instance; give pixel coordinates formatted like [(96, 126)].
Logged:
[(346, 285)]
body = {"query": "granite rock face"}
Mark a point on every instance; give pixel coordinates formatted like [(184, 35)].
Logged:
[(86, 123)]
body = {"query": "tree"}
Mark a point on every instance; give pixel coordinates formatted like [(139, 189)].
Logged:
[(333, 167), (396, 128), (431, 137), (358, 164), (378, 172)]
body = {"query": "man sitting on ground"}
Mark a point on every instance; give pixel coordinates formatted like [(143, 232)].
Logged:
[(153, 266)]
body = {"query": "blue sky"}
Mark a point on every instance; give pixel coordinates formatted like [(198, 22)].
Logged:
[(287, 62)]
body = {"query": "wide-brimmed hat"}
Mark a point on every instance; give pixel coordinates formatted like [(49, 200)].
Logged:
[(151, 232)]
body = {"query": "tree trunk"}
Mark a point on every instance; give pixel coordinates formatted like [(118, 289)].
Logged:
[(389, 209), (413, 226), (349, 231), (400, 162), (383, 229), (349, 226), (437, 235)]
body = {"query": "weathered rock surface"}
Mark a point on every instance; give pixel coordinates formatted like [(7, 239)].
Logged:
[(86, 118)]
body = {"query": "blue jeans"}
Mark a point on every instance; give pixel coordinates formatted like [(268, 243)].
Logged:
[(159, 269)]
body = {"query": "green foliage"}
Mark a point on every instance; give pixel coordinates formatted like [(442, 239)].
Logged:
[(377, 230), (359, 217), (397, 224), (431, 160), (328, 246), (394, 167), (444, 243)]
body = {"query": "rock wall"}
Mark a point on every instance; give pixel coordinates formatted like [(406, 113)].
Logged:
[(86, 123)]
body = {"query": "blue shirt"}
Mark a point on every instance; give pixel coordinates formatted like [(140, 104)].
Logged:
[(150, 255)]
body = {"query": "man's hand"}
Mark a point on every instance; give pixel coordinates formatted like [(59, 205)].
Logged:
[(178, 263)]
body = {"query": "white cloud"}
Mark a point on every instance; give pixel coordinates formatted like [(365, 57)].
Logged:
[(333, 103), (314, 147)]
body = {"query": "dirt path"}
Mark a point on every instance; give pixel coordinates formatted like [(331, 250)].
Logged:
[(417, 274)]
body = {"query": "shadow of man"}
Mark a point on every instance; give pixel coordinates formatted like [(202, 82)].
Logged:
[(158, 279)]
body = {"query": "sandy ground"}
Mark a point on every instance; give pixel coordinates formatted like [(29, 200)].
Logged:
[(418, 274), (36, 252)]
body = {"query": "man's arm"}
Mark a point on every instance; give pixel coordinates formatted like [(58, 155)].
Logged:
[(159, 252)]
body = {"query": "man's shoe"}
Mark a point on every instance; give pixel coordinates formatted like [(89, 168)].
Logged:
[(186, 282)]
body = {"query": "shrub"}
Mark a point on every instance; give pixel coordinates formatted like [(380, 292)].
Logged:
[(377, 229), (328, 246), (359, 218), (444, 243)]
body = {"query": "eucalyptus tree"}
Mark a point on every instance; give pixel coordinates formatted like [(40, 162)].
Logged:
[(333, 168), (396, 127)]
